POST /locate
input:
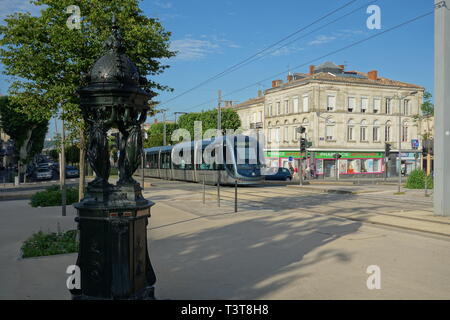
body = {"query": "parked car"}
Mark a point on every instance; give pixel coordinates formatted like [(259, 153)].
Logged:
[(283, 174), (43, 174), (72, 172)]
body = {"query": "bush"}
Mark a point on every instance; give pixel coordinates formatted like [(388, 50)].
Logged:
[(417, 178), (52, 197), (41, 244)]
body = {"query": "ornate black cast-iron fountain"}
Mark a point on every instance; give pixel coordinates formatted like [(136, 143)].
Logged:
[(112, 219)]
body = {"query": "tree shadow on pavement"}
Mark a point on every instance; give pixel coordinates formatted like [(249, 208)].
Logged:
[(247, 259)]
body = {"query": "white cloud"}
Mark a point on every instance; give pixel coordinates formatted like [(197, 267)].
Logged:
[(285, 51), (164, 5), (321, 39), (190, 48), (8, 7)]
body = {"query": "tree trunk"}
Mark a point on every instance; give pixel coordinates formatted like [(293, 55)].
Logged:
[(23, 154), (82, 164)]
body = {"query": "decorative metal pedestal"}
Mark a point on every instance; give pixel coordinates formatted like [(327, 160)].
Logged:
[(112, 219), (113, 256)]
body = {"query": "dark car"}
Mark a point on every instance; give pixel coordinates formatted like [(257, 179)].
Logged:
[(283, 174), (72, 172)]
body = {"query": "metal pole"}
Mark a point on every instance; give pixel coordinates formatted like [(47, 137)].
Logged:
[(235, 195), (442, 109), (426, 185), (219, 133), (142, 169), (63, 170), (399, 144), (336, 168), (164, 126), (204, 189)]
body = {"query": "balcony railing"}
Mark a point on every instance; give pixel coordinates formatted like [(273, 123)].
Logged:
[(256, 125)]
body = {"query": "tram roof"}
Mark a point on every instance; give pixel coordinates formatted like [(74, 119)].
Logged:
[(191, 143)]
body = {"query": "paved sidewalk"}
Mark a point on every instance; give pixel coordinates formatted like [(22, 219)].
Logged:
[(268, 250)]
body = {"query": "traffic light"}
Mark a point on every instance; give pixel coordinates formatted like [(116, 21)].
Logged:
[(387, 149), (301, 129), (303, 144)]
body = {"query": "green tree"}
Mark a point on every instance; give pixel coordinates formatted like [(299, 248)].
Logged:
[(156, 134), (28, 135), (230, 120), (47, 59), (54, 154), (72, 154), (427, 105)]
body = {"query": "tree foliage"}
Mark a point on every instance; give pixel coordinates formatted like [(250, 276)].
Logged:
[(230, 120), (27, 134), (156, 134), (427, 105), (47, 59)]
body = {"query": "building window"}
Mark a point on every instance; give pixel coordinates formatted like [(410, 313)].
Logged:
[(406, 107), (351, 130), (278, 108), (329, 129), (305, 103), (376, 131), (363, 131), (286, 133), (259, 116), (387, 131), (277, 134), (351, 104), (331, 103), (405, 132), (388, 106), (364, 104), (376, 105), (286, 106), (295, 105)]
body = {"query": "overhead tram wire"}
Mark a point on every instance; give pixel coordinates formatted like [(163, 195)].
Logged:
[(230, 69), (319, 58)]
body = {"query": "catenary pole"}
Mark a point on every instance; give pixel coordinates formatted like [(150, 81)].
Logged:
[(442, 109)]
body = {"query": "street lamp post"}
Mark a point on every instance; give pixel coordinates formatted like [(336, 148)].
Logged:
[(400, 98)]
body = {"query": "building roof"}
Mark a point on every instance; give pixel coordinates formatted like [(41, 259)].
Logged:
[(248, 102), (355, 77)]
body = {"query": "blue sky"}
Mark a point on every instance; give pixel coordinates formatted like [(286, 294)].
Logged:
[(214, 35)]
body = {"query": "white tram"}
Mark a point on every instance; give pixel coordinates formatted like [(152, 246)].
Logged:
[(242, 159)]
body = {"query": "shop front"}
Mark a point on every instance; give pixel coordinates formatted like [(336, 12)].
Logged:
[(349, 165), (282, 158)]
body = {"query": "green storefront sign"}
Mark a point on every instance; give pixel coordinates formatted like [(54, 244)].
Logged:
[(326, 155), (350, 155), (285, 154)]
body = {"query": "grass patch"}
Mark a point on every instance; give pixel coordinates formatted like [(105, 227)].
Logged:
[(398, 193), (51, 196), (48, 244)]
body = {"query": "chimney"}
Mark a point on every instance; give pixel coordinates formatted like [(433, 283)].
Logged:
[(290, 78), (373, 75), (276, 83), (259, 93), (311, 69)]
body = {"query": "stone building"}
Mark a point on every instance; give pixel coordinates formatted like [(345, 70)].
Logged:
[(350, 113)]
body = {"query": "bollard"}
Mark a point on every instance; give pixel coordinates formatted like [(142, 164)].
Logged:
[(235, 195), (218, 189), (204, 189)]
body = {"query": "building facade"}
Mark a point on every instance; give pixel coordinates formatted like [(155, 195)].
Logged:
[(346, 113)]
